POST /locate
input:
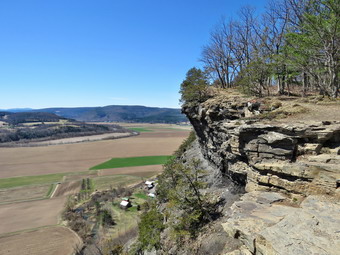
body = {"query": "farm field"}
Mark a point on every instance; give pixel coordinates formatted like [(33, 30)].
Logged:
[(140, 129), (55, 240), (30, 175), (29, 180), (131, 161), (32, 214), (64, 158), (80, 139), (25, 193)]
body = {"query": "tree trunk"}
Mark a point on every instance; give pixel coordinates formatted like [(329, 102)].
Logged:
[(305, 82)]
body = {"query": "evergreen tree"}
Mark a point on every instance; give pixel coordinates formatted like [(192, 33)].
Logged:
[(194, 87)]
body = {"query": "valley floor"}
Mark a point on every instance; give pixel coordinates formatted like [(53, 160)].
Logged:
[(58, 170)]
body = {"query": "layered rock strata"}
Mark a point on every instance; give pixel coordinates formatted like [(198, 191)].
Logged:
[(297, 158), (291, 172)]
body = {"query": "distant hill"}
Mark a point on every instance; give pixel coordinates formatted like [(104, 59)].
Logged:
[(25, 127), (120, 113), (15, 118), (17, 110)]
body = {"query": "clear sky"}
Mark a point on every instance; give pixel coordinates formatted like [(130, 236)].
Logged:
[(68, 53)]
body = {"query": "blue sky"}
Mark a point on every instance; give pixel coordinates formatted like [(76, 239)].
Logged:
[(69, 53)]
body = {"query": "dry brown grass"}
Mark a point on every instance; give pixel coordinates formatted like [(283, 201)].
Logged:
[(293, 108), (51, 240), (67, 188), (315, 112)]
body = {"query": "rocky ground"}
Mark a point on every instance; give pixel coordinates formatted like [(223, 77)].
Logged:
[(289, 169)]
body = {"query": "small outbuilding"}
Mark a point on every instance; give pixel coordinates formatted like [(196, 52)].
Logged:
[(149, 184), (125, 203), (153, 195)]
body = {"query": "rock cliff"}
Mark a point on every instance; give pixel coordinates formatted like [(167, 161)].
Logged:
[(290, 171)]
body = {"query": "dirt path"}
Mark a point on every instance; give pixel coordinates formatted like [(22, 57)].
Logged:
[(67, 188)]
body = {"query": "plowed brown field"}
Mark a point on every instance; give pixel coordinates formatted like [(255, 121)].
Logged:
[(32, 214), (64, 158), (51, 240)]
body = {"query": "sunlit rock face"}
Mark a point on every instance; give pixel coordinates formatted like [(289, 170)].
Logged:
[(290, 172), (299, 158)]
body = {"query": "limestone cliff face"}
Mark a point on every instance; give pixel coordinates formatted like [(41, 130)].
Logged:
[(291, 172), (297, 158)]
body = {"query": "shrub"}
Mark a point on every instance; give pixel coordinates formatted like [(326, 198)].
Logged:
[(150, 228)]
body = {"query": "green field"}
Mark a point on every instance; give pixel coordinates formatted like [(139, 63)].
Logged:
[(140, 129), (6, 183), (133, 161)]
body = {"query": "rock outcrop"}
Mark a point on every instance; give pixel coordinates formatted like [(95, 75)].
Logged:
[(291, 173), (297, 158), (266, 226)]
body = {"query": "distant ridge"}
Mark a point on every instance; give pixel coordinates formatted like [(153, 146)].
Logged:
[(116, 113), (17, 110)]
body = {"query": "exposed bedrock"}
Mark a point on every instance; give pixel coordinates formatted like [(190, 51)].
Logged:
[(291, 172), (297, 158)]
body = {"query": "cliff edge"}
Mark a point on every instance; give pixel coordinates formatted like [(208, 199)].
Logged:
[(290, 171)]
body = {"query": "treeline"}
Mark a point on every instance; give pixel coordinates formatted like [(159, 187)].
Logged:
[(49, 132), (293, 43), (28, 117)]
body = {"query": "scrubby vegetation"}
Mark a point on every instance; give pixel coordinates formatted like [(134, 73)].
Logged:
[(180, 188), (150, 227), (181, 207), (100, 220)]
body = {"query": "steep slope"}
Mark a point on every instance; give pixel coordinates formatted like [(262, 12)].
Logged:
[(289, 170), (273, 184)]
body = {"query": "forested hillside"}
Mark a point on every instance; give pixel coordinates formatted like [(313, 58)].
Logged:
[(121, 113), (24, 127)]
